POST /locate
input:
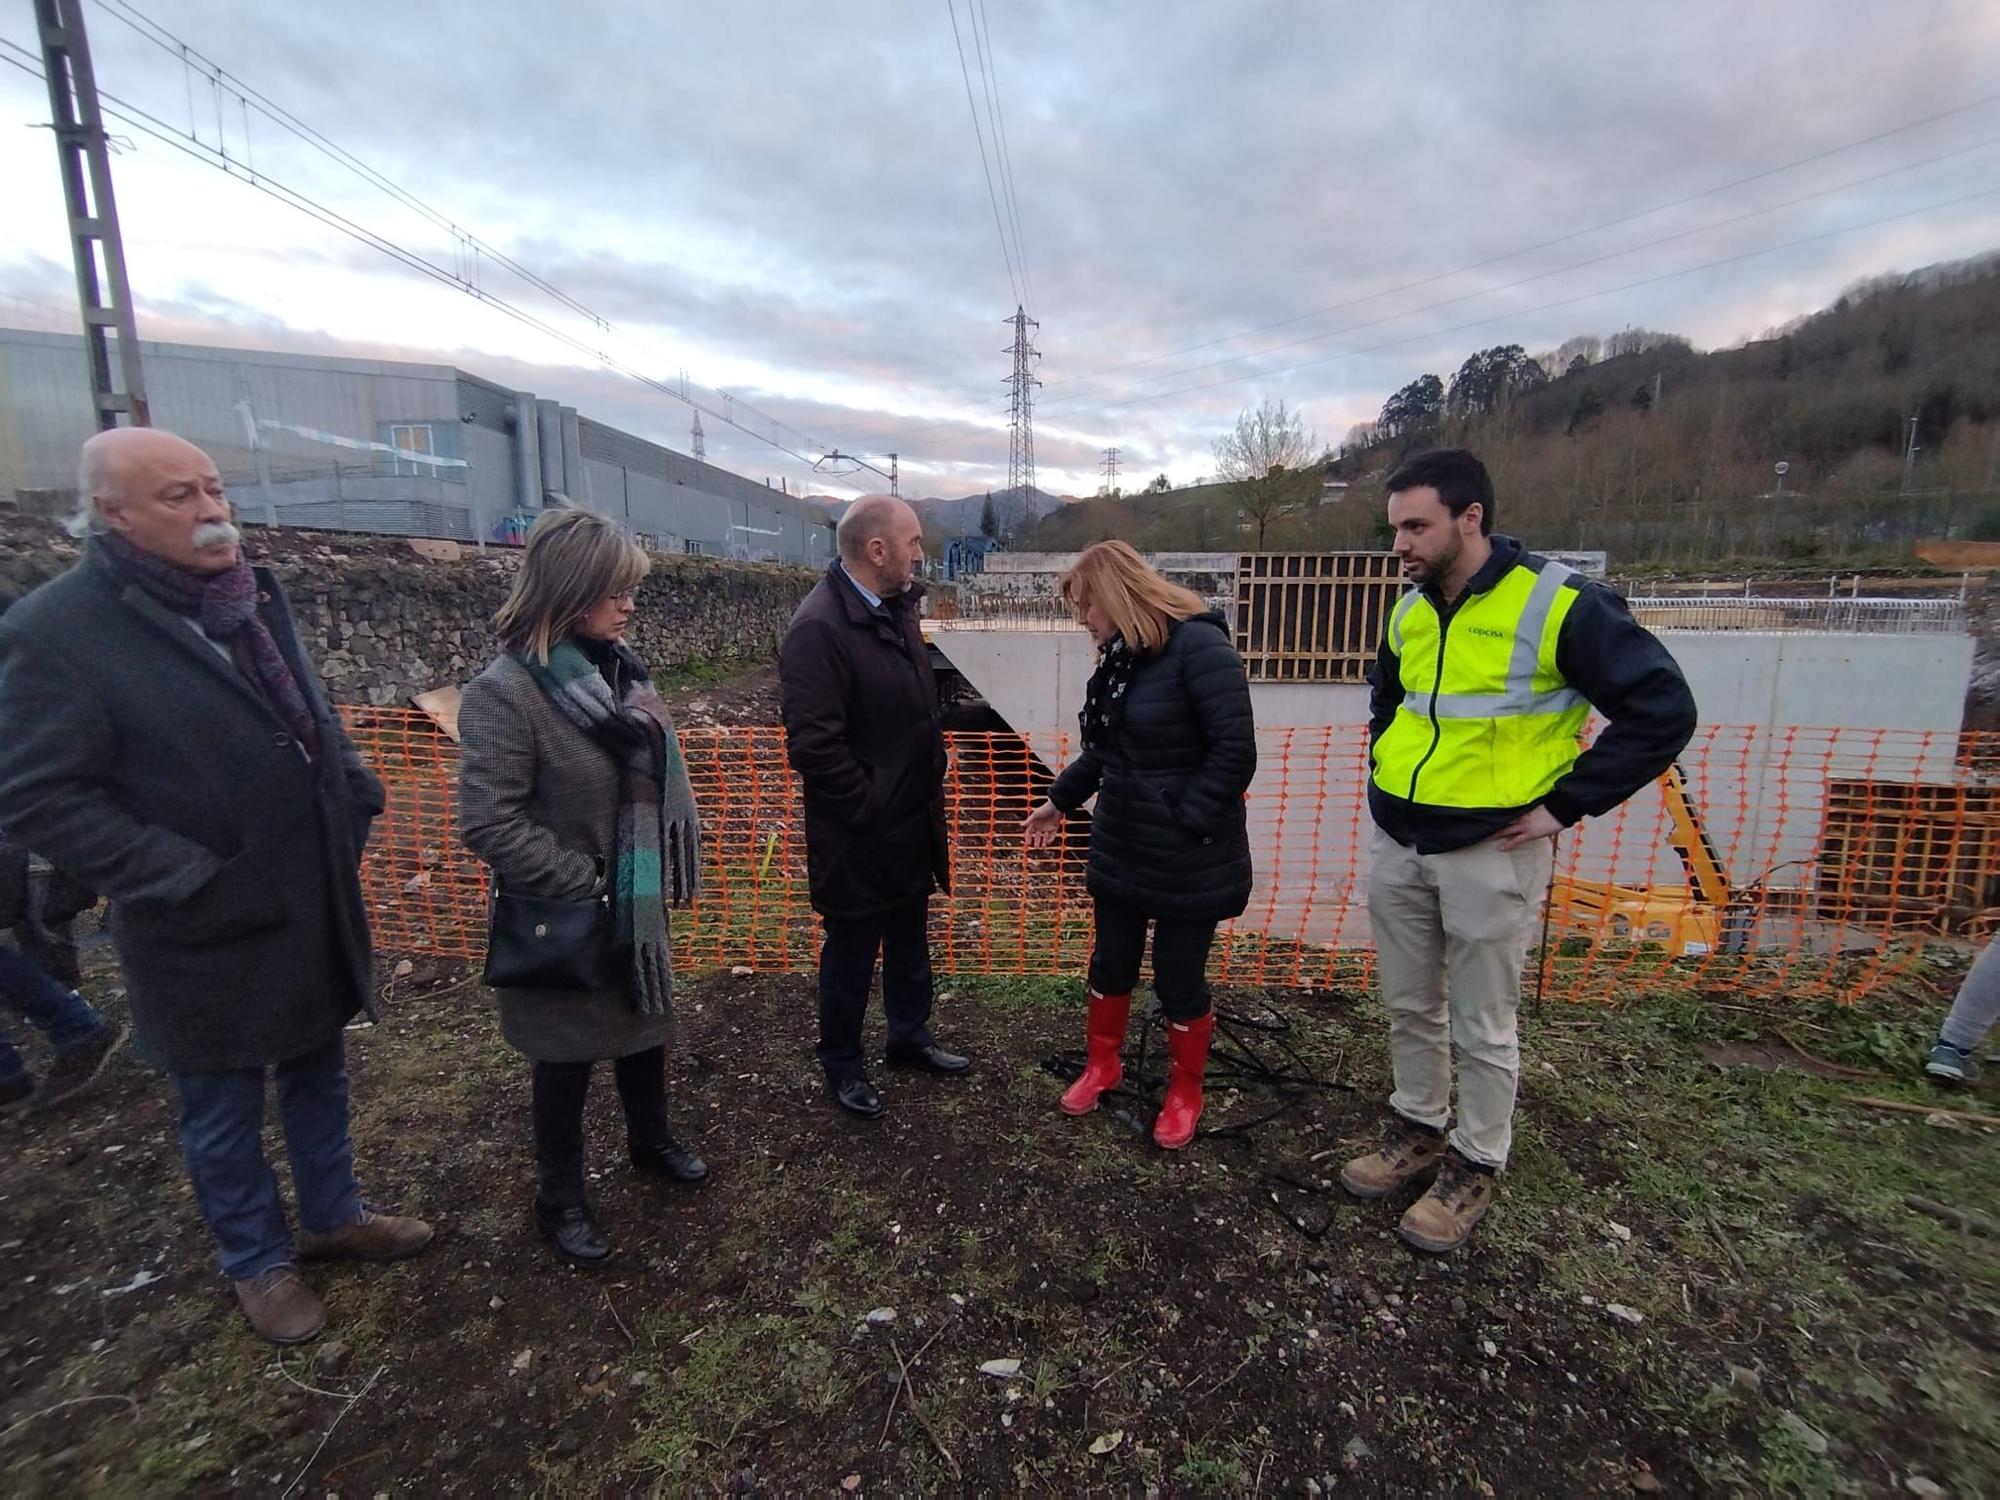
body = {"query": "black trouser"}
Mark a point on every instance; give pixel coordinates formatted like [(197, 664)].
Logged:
[(1180, 959), (560, 1089), (846, 968), (53, 949)]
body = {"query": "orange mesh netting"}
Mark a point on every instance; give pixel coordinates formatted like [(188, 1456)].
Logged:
[(1813, 855)]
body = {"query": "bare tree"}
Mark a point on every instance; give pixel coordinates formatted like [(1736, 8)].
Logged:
[(1270, 464)]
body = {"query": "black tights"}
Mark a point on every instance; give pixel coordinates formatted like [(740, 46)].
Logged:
[(560, 1089), (1180, 959)]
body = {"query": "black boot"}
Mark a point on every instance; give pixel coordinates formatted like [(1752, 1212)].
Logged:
[(672, 1161), (574, 1233), (642, 1090)]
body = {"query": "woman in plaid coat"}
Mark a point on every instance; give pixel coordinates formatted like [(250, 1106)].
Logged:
[(571, 787)]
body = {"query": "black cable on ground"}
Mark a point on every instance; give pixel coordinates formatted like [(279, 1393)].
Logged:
[(1251, 1053)]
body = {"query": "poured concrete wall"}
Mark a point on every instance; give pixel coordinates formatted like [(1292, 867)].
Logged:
[(1781, 715)]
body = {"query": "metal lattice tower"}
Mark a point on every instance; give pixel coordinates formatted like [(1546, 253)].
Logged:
[(700, 447), (93, 215), (1110, 467), (1021, 413)]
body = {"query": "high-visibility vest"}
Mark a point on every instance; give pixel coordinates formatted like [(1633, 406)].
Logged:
[(1486, 719)]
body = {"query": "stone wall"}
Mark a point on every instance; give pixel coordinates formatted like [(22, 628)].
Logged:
[(385, 622)]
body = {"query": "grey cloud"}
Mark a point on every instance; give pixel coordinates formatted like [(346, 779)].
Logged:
[(798, 182)]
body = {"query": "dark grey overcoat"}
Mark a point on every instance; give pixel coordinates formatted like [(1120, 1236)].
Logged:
[(864, 732), (134, 756), (538, 802)]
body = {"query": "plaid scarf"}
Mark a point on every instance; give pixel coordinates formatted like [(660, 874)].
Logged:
[(225, 606), (1104, 698), (658, 844)]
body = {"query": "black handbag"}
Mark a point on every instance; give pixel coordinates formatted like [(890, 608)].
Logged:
[(535, 943)]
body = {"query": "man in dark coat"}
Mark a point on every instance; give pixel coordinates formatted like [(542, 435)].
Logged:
[(864, 732), (164, 739)]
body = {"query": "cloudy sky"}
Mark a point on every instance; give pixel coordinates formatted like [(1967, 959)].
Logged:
[(1217, 202)]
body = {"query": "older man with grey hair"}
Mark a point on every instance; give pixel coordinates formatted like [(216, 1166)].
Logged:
[(164, 738), (864, 732)]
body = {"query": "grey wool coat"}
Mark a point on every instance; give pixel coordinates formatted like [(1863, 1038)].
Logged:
[(538, 802), (139, 760)]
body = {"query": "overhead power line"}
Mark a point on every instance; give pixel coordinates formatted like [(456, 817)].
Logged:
[(1563, 270), (979, 135), (909, 433), (982, 46), (195, 61), (1521, 312), (1561, 239), (995, 414), (977, 419), (462, 276)]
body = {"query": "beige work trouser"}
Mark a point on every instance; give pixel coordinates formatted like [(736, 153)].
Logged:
[(1451, 933)]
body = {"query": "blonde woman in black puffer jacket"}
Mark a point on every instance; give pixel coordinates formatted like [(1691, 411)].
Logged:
[(1169, 747)]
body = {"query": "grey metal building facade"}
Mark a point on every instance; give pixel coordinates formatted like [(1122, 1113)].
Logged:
[(387, 446)]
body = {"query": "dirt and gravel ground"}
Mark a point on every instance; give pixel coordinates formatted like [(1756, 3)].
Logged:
[(1703, 1276)]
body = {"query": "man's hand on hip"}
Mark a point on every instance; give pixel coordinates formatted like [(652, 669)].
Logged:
[(1536, 823)]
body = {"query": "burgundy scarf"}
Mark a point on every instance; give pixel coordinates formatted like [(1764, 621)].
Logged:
[(225, 606)]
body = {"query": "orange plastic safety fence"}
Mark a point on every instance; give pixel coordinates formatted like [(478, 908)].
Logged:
[(1810, 857)]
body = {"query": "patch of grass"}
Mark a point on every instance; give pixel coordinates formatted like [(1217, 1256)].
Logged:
[(1790, 1466), (730, 1375), (1059, 992), (1962, 1395), (202, 1416), (1049, 1379), (1209, 1470), (816, 1297), (702, 670), (1108, 1255)]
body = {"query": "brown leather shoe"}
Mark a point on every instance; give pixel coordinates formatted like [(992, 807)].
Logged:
[(1442, 1219), (372, 1236), (1411, 1154), (281, 1307)]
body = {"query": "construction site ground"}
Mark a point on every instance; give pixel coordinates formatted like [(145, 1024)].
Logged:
[(1710, 1269)]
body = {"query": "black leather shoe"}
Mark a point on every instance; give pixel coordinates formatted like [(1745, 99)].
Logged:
[(672, 1161), (857, 1096), (575, 1235), (929, 1058)]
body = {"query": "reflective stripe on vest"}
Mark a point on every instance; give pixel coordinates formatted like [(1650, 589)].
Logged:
[(1520, 696), (1396, 620), (1512, 732)]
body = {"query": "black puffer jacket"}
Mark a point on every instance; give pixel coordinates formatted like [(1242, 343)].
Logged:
[(1169, 836)]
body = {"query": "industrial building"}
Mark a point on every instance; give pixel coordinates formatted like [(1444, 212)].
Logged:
[(387, 446)]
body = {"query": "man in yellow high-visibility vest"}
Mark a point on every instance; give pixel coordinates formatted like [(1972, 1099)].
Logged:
[(1487, 672)]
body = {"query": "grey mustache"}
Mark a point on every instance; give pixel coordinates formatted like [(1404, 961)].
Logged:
[(215, 534)]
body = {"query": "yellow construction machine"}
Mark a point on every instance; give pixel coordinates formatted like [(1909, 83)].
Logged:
[(1693, 919)]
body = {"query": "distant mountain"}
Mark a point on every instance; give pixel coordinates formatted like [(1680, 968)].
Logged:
[(961, 516)]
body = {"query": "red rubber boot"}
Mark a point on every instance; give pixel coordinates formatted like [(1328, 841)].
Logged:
[(1101, 1069), (1187, 1052)]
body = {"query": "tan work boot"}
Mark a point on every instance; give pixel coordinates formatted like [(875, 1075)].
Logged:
[(281, 1307), (372, 1236), (1411, 1154), (1442, 1219)]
